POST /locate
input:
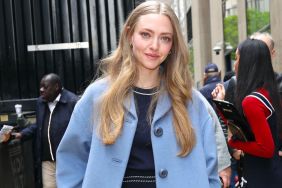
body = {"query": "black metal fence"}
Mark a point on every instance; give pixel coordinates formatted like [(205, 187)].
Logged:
[(26, 23), (35, 22)]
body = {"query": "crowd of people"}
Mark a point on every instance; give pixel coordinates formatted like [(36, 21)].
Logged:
[(255, 92), (143, 124)]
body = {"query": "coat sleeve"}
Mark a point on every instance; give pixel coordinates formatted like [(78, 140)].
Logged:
[(208, 141), (29, 131), (256, 114), (210, 153), (73, 151), (223, 155)]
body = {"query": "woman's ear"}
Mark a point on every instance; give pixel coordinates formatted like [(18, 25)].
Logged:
[(128, 34), (128, 28)]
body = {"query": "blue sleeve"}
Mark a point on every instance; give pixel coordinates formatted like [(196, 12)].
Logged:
[(208, 142), (223, 155), (210, 153), (209, 146)]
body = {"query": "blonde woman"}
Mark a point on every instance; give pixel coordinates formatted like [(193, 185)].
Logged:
[(141, 124)]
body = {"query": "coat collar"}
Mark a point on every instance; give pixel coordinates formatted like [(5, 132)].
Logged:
[(63, 98), (212, 79)]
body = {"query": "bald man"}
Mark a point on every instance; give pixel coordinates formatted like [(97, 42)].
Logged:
[(53, 112), (267, 39)]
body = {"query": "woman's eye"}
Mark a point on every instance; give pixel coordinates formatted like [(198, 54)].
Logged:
[(145, 35), (165, 39)]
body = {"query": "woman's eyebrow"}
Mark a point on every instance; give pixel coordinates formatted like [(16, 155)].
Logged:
[(152, 31)]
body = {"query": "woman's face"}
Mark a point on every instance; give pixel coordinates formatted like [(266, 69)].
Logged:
[(151, 41), (236, 64)]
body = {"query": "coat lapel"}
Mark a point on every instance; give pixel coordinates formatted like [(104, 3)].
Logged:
[(129, 105), (40, 112), (163, 106)]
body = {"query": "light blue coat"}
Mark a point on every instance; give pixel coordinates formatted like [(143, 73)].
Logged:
[(84, 161)]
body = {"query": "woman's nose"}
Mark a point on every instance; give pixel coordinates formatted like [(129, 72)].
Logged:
[(155, 44)]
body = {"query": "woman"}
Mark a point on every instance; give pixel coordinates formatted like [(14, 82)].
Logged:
[(258, 100), (141, 124)]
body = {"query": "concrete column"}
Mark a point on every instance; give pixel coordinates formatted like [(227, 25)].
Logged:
[(242, 20), (217, 35), (201, 38), (181, 8), (276, 25)]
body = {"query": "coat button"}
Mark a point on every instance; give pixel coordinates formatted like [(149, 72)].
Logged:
[(158, 132), (163, 173)]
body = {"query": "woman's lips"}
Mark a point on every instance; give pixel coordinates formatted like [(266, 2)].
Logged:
[(152, 56)]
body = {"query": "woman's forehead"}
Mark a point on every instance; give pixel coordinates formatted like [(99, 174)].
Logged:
[(158, 22)]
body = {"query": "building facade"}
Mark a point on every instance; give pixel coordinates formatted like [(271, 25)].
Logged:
[(202, 24)]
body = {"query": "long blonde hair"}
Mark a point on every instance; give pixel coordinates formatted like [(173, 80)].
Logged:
[(122, 73)]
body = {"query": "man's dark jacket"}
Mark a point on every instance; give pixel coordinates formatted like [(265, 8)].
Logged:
[(209, 86), (59, 122)]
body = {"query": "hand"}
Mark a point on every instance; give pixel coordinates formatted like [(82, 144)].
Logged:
[(225, 175), (280, 153), (218, 92), (229, 134), (5, 136), (17, 135)]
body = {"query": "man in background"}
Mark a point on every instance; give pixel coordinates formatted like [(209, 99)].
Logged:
[(212, 76), (53, 112)]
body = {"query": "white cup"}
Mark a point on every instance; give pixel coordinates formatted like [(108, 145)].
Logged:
[(18, 108)]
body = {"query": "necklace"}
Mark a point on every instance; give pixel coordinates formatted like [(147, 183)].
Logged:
[(146, 92), (140, 93)]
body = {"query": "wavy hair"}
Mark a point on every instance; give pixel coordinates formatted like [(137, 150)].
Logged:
[(122, 73)]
